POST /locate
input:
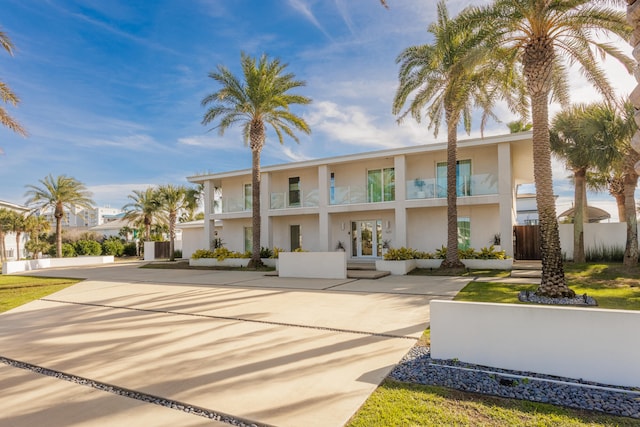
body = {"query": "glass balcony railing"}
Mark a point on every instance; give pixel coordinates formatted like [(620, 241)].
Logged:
[(303, 199), (230, 205), (348, 195), (474, 185)]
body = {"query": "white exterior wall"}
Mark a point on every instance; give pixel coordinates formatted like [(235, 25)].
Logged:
[(418, 223), (192, 240), (11, 248), (528, 338), (596, 236)]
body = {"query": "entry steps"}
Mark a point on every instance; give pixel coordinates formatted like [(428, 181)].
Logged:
[(528, 269), (364, 270)]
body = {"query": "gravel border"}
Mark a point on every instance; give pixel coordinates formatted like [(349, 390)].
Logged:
[(418, 367), (579, 300), (132, 394)]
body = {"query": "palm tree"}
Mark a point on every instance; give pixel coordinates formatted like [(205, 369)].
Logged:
[(7, 95), (547, 36), (36, 225), (5, 224), (584, 148), (173, 200), (17, 226), (517, 126), (261, 97), (57, 194), (448, 78), (192, 203), (143, 209)]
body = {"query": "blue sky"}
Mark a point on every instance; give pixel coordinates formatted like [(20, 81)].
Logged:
[(111, 90)]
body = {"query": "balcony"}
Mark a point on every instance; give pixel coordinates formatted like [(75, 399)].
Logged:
[(474, 185), (348, 195), (306, 199)]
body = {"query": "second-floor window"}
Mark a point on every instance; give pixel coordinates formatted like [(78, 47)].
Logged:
[(381, 185), (294, 191), (248, 197), (463, 178)]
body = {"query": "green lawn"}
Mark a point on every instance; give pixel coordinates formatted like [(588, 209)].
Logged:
[(18, 290), (611, 285), (402, 404)]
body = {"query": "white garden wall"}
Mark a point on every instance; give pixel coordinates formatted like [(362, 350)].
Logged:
[(589, 343), (38, 264), (596, 236), (325, 265)]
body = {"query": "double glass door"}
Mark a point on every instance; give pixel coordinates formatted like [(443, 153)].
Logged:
[(366, 239)]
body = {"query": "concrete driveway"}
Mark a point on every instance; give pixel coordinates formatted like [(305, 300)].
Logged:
[(285, 352)]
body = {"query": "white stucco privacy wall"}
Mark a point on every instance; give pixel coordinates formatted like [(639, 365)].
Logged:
[(596, 236), (589, 343), (325, 265), (41, 263)]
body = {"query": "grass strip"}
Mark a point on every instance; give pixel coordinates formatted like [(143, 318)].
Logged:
[(18, 290)]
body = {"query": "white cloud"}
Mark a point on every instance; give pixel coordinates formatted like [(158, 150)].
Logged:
[(137, 142), (115, 195), (214, 141), (305, 10)]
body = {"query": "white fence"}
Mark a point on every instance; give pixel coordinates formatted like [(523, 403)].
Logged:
[(589, 343), (596, 236), (38, 264)]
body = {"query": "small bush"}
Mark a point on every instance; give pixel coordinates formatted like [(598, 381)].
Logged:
[(177, 253), (88, 247), (68, 250), (202, 253), (605, 254), (276, 252), (113, 247), (400, 254), (219, 253), (266, 253), (130, 249)]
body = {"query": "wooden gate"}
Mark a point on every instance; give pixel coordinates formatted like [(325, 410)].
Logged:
[(527, 244), (162, 250)]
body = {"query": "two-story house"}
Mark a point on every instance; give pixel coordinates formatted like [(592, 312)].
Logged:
[(368, 200)]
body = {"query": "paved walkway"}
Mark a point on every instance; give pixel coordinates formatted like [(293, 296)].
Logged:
[(276, 351)]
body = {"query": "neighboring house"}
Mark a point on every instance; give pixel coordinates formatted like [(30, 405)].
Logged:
[(113, 226), (10, 238), (363, 201), (85, 218)]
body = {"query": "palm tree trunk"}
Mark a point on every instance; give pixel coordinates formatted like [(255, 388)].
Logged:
[(579, 216), (3, 248), (18, 234), (452, 260), (58, 236), (172, 235), (630, 184), (621, 211), (553, 282), (255, 206)]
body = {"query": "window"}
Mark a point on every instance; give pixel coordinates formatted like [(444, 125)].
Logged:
[(464, 233), (296, 237), (248, 197), (294, 191), (332, 188), (381, 185), (248, 239), (463, 178)]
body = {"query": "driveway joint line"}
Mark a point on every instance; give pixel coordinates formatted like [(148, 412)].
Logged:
[(237, 319), (340, 284), (133, 394)]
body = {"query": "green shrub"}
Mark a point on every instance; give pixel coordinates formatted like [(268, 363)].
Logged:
[(177, 253), (113, 247), (88, 247), (266, 253), (400, 254), (68, 250), (202, 253), (276, 252), (130, 249)]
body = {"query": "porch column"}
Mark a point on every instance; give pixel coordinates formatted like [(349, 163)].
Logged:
[(209, 227), (400, 211), (324, 223), (266, 234), (506, 197), (400, 239)]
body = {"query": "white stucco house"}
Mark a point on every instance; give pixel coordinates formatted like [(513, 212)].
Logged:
[(365, 200)]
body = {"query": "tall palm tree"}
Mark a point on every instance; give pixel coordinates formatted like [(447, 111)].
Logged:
[(5, 224), (583, 147), (547, 36), (173, 200), (192, 203), (143, 208), (449, 78), (57, 194), (259, 98), (7, 95), (35, 225), (17, 226)]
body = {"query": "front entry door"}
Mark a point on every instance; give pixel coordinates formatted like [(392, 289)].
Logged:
[(366, 239)]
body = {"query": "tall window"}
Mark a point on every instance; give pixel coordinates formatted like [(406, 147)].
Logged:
[(464, 233), (381, 185), (463, 178), (296, 237), (248, 239), (294, 191), (332, 188), (248, 197)]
